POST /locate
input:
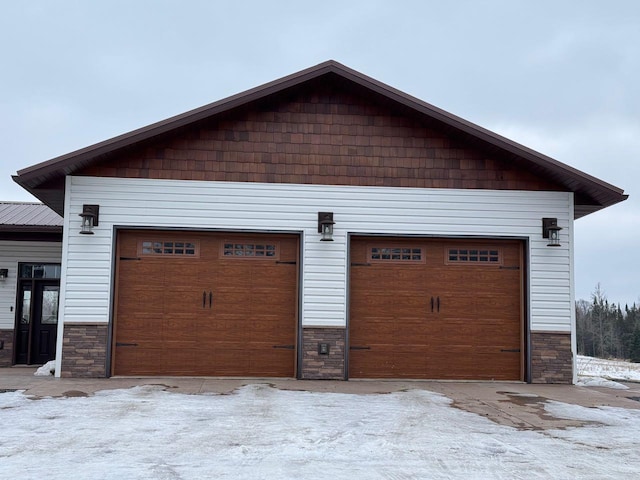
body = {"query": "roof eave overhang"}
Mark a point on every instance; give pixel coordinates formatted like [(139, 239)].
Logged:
[(31, 228), (600, 193), (34, 175)]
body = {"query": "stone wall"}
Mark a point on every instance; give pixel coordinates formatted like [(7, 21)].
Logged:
[(318, 366), (84, 350), (551, 357), (6, 354)]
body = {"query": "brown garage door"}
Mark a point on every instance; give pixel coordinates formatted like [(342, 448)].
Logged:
[(205, 304), (441, 309)]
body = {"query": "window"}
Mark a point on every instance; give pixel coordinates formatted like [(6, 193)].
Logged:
[(250, 250), (49, 308), (486, 256), (170, 248), (32, 270), (396, 254)]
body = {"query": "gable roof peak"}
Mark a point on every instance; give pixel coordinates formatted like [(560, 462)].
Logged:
[(45, 180)]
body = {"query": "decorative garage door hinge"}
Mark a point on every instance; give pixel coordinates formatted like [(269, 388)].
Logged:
[(288, 347), (129, 258), (122, 344), (511, 350), (286, 263), (502, 267), (204, 299), (360, 264), (359, 348)]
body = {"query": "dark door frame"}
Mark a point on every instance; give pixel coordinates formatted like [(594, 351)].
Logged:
[(36, 286)]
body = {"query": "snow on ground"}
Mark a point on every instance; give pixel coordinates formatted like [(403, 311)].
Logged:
[(599, 382), (259, 432), (46, 370), (596, 371)]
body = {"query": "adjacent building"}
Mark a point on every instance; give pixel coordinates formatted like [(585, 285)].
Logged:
[(30, 257)]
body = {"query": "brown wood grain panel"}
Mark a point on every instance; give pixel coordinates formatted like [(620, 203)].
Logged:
[(167, 329), (471, 336)]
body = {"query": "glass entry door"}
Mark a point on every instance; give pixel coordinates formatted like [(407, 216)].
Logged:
[(37, 320)]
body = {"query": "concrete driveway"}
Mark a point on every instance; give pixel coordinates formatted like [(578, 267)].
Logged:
[(514, 404)]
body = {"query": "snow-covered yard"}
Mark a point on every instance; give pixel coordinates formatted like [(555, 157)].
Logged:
[(260, 432), (590, 369)]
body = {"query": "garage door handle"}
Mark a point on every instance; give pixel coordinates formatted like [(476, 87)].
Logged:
[(431, 304), (204, 299), (438, 304), (210, 299)]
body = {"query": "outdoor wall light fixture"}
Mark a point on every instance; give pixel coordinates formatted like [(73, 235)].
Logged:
[(551, 230), (89, 218), (4, 273), (325, 226)]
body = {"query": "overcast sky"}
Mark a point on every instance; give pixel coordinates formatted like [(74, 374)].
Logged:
[(561, 77)]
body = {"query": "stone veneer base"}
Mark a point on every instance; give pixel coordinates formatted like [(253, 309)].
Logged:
[(323, 367), (6, 354), (84, 350), (551, 357), (85, 347)]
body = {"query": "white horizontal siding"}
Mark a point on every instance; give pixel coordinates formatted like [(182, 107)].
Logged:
[(293, 208), (12, 253)]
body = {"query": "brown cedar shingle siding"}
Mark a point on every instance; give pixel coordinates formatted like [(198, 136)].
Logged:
[(321, 138)]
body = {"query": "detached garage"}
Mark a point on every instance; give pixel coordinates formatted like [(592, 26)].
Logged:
[(321, 226)]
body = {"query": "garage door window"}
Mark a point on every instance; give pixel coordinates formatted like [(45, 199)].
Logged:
[(169, 248), (250, 250), (486, 256), (396, 254)]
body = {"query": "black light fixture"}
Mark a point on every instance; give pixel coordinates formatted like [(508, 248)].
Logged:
[(89, 218), (4, 273), (325, 226), (551, 230)]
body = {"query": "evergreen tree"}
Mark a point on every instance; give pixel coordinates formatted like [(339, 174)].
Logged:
[(634, 351), (606, 330)]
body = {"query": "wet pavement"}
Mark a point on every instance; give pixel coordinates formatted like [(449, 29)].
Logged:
[(515, 404)]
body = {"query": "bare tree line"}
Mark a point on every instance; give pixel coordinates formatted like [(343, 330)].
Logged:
[(607, 330)]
